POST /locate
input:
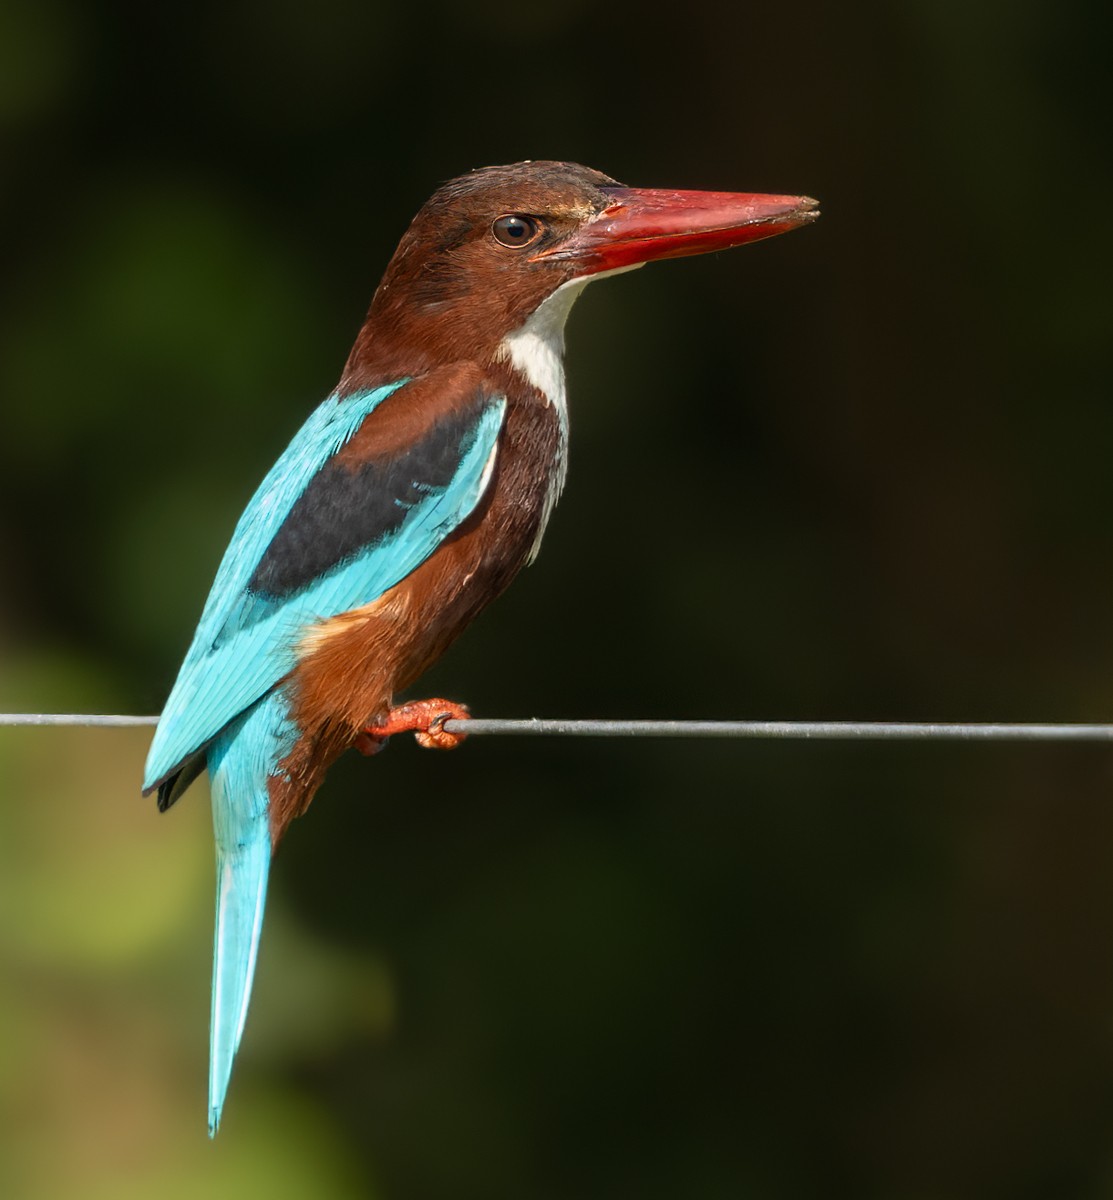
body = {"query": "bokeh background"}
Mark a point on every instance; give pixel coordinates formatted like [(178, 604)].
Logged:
[(860, 472)]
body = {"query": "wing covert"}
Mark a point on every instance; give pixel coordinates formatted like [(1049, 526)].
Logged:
[(323, 535)]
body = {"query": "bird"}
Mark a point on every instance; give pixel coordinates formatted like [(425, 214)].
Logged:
[(408, 500)]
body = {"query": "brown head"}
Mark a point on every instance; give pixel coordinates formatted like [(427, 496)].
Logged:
[(489, 248)]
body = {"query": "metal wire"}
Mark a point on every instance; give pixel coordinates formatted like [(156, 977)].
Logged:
[(804, 730), (72, 719), (801, 730)]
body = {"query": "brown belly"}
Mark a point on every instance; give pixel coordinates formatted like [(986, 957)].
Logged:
[(351, 666)]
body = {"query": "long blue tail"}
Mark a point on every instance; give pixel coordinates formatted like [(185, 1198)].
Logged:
[(241, 761)]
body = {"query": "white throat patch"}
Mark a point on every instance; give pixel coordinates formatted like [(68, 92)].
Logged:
[(536, 350)]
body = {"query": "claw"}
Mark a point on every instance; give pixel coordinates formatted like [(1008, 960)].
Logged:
[(425, 719)]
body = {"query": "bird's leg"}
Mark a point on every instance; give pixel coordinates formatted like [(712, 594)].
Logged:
[(423, 718)]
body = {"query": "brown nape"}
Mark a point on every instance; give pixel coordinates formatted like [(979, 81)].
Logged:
[(407, 415), (451, 291)]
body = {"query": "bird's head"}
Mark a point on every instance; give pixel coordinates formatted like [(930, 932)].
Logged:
[(491, 247)]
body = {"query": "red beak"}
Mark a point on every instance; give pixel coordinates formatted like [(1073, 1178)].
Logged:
[(644, 224)]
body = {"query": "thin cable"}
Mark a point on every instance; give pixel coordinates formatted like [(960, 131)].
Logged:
[(72, 719), (800, 730)]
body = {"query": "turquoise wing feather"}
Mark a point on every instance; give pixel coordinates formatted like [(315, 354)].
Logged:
[(246, 642)]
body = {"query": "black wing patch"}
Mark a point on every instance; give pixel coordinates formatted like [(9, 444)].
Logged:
[(345, 510)]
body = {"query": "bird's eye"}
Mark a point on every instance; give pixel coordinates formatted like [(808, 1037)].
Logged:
[(517, 230)]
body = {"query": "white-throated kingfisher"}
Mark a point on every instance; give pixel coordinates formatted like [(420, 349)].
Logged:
[(406, 503)]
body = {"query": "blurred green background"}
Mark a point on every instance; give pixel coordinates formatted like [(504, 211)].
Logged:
[(861, 472)]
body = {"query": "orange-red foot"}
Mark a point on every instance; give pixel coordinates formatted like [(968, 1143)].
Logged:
[(423, 718)]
